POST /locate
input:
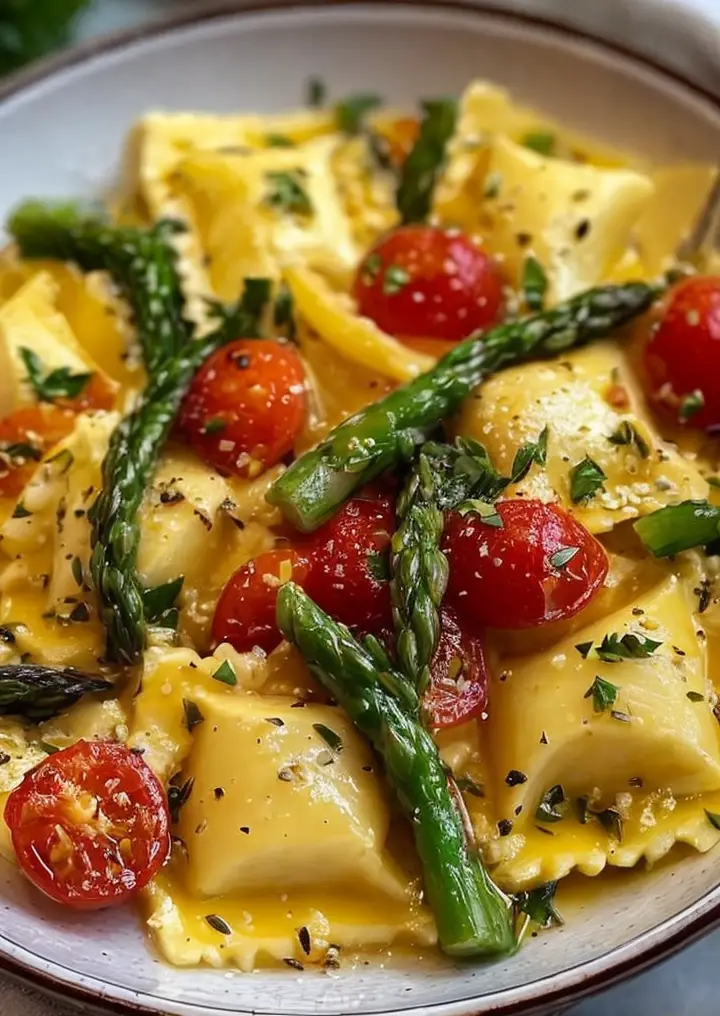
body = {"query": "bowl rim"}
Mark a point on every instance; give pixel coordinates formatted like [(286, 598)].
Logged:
[(544, 994)]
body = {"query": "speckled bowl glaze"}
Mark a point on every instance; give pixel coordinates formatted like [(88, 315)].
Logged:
[(643, 74)]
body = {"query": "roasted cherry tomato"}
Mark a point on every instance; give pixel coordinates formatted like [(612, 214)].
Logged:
[(245, 613), (246, 406), (25, 436), (429, 282), (682, 358), (541, 565), (458, 689), (90, 825), (98, 393), (348, 561)]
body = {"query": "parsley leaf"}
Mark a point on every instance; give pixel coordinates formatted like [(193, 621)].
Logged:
[(286, 191), (279, 141), (159, 603), (691, 405), (284, 312), (615, 648), (192, 714), (394, 279), (586, 479), (713, 818), (534, 283), (226, 674), (316, 93), (604, 694), (539, 905), (60, 383), (379, 565), (533, 452), (351, 112), (244, 318), (486, 510), (331, 739), (542, 142), (552, 806), (628, 434), (563, 557), (426, 160)]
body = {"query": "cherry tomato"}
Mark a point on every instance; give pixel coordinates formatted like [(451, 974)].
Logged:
[(682, 357), (348, 560), (246, 406), (245, 612), (90, 825), (25, 436), (98, 393), (540, 566), (429, 282), (458, 689)]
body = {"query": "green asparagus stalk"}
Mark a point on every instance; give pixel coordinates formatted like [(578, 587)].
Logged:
[(388, 431), (142, 263), (471, 913), (425, 162), (419, 575), (679, 527), (38, 693)]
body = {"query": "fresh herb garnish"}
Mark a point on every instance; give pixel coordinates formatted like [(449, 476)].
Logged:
[(615, 648), (584, 648), (21, 451), (485, 510), (179, 794), (532, 452), (538, 905), (378, 564), (628, 434), (286, 191), (394, 279), (679, 527), (603, 693), (492, 185), (351, 112), (316, 92), (469, 786), (279, 141), (159, 603), (691, 405), (226, 674), (586, 479), (561, 558), (713, 818), (542, 142), (552, 806), (60, 383), (215, 425), (331, 739), (611, 821), (76, 567), (284, 311), (695, 696), (21, 512), (534, 283), (425, 162), (192, 714)]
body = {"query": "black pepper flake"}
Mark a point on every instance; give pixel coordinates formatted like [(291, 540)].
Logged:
[(542, 829), (298, 705), (80, 613), (504, 826), (6, 635), (218, 924), (4, 758), (171, 497), (636, 781), (204, 519), (514, 778), (703, 594), (304, 939), (582, 229), (178, 795), (79, 513), (637, 611), (523, 239), (275, 720), (518, 810), (544, 738), (219, 793), (291, 962), (679, 651), (245, 829)]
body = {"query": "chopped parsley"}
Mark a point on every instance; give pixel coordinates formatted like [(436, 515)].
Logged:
[(159, 604), (552, 806), (215, 425), (351, 112), (279, 141), (284, 311), (485, 510), (226, 674), (532, 452), (286, 192), (21, 512), (395, 278), (192, 714), (538, 904), (331, 739), (60, 383), (628, 434), (586, 479), (542, 142), (691, 405), (611, 821), (534, 283), (561, 558), (469, 786), (603, 693), (493, 184), (713, 818), (615, 648)]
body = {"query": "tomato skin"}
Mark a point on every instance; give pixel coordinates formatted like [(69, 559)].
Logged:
[(246, 406), (683, 353), (504, 577), (458, 689), (91, 862), (342, 555), (447, 287), (245, 613), (98, 393), (40, 427)]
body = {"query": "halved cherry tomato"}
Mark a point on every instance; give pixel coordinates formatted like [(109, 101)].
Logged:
[(682, 358), (458, 689), (98, 393), (246, 406), (245, 613), (429, 282), (540, 566), (25, 436), (348, 562), (90, 825)]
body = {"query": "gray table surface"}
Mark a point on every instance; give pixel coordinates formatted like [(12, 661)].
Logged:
[(689, 984)]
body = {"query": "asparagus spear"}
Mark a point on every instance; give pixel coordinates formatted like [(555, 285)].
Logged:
[(419, 574), (471, 913), (425, 162), (384, 433), (679, 527), (41, 692), (141, 262)]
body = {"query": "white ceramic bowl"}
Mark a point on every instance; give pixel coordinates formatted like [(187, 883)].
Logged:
[(62, 125)]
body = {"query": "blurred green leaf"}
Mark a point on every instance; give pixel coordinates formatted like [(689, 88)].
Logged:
[(31, 28)]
